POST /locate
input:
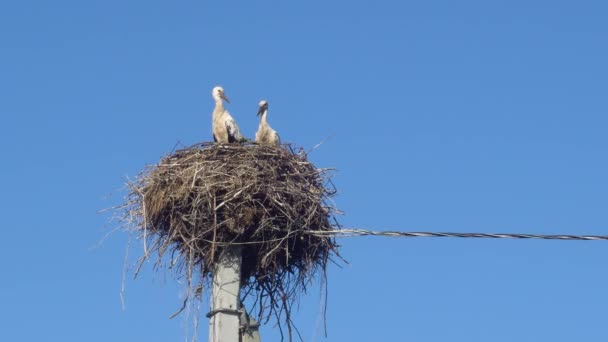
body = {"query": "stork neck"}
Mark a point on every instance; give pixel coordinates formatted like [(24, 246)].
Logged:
[(263, 119), (219, 106)]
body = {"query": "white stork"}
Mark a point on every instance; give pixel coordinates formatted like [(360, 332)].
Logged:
[(265, 134), (225, 129)]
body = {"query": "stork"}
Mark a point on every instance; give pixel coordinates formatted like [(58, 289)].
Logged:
[(225, 129), (265, 134)]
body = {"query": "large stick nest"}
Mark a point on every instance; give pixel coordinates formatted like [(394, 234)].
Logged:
[(268, 200)]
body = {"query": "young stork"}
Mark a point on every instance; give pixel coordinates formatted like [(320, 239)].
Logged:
[(265, 134), (225, 129)]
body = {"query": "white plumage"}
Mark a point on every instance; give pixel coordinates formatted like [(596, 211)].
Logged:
[(265, 133), (225, 129)]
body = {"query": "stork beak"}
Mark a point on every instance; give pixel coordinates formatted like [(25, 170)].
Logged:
[(260, 111), (224, 97)]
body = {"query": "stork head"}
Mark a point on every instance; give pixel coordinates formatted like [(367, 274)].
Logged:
[(218, 94), (262, 107)]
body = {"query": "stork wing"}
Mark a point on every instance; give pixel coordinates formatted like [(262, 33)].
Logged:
[(234, 133), (278, 137)]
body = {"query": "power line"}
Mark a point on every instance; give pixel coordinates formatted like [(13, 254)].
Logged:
[(362, 232)]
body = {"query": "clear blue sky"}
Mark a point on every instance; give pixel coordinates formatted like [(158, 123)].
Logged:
[(483, 116)]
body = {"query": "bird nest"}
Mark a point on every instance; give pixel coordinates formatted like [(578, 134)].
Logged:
[(270, 201)]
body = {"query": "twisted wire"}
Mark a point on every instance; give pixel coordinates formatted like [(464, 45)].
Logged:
[(363, 232)]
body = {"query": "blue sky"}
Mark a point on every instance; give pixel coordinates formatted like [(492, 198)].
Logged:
[(481, 116)]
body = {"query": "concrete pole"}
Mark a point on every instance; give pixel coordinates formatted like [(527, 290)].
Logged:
[(224, 325)]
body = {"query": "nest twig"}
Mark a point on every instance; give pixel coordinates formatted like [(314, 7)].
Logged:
[(200, 200)]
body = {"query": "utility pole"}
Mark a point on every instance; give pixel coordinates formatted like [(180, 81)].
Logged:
[(225, 311)]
